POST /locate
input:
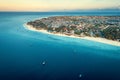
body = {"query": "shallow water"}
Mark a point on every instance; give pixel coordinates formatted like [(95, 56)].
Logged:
[(22, 53)]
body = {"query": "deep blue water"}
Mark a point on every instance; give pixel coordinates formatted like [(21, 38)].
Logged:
[(22, 52)]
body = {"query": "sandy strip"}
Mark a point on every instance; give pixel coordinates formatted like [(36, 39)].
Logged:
[(101, 40)]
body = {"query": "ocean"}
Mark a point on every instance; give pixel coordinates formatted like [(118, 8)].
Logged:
[(29, 55)]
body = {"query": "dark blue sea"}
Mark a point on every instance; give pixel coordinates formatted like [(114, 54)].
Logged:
[(29, 55)]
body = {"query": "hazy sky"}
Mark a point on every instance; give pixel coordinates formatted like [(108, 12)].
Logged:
[(48, 5)]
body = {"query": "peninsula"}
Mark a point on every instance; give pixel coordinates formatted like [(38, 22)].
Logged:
[(105, 29)]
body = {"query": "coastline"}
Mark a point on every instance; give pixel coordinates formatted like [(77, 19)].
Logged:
[(98, 39)]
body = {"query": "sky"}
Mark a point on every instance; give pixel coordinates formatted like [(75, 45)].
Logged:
[(53, 5)]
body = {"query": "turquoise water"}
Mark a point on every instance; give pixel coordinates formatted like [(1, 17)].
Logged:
[(22, 52)]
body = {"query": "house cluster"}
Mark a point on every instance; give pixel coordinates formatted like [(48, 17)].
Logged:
[(96, 26)]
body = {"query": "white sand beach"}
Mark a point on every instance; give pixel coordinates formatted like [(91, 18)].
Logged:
[(101, 40)]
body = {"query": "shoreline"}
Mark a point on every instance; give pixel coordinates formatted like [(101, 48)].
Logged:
[(98, 39)]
